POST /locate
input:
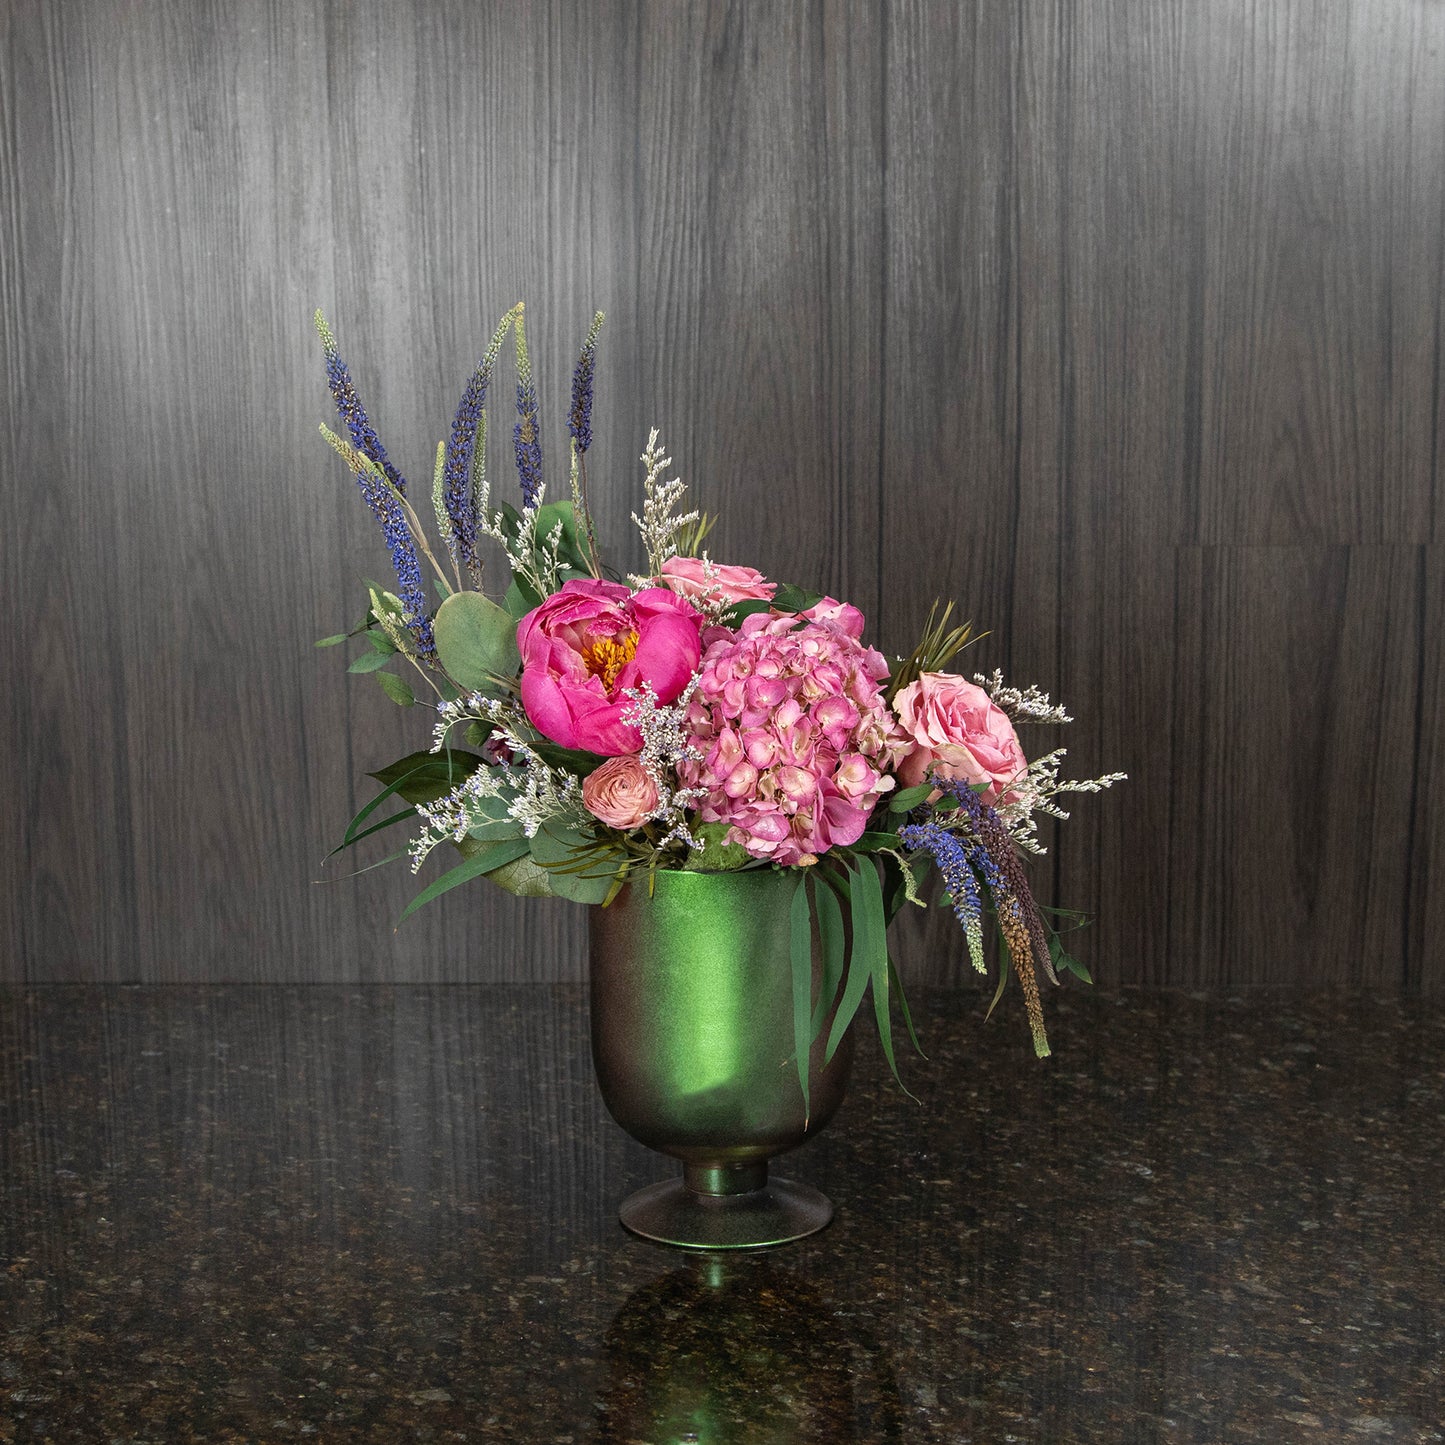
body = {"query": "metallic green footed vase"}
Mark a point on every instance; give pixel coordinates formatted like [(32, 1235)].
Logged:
[(692, 1040)]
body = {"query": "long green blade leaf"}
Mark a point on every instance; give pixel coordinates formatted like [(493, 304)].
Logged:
[(857, 974), (903, 1005), (870, 935), (482, 861), (802, 958), (351, 834), (375, 828), (830, 930)]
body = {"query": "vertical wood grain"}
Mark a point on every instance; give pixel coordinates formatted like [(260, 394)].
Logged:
[(1119, 323)]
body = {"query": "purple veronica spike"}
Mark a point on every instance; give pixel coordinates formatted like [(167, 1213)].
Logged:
[(352, 413), (457, 490), (526, 434), (529, 445), (953, 858), (579, 419), (1007, 879), (402, 545)]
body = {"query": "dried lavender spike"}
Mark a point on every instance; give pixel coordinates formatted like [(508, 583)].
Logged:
[(468, 432), (579, 419), (526, 434), (386, 507), (350, 410)]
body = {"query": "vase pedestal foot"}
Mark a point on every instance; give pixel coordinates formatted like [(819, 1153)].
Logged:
[(725, 1208)]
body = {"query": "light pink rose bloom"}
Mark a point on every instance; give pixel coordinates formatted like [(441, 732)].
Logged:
[(620, 793), (959, 731), (591, 641), (693, 578)]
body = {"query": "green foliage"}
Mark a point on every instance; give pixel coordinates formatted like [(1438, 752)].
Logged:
[(906, 799), (716, 855), (397, 689), (938, 646), (524, 877), (581, 871), (801, 958), (572, 553), (789, 598), (476, 642), (370, 661), (425, 777), (834, 944), (487, 857)]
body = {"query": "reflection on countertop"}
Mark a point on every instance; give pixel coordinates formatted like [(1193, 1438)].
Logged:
[(388, 1213)]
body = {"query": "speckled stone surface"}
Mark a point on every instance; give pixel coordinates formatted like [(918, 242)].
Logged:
[(263, 1214)]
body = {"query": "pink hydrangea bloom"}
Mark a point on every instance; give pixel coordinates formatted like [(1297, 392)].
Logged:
[(797, 741)]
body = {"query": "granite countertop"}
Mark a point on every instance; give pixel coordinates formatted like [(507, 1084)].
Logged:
[(388, 1214)]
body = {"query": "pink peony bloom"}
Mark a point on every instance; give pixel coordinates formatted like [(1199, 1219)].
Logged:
[(959, 731), (591, 641), (693, 578), (796, 739), (620, 793)]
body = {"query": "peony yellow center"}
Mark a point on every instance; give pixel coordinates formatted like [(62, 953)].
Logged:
[(605, 657)]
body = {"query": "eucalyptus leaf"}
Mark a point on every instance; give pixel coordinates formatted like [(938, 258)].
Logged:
[(369, 661), (380, 642), (521, 598), (397, 689), (580, 871), (476, 640), (499, 828), (523, 877), (571, 549), (334, 641)]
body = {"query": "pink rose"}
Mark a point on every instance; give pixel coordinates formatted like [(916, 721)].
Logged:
[(959, 730), (620, 793), (591, 641), (694, 578)]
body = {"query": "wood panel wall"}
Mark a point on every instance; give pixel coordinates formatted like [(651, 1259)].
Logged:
[(1117, 321)]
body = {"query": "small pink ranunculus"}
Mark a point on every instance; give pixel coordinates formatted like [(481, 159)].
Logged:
[(694, 578), (620, 793), (958, 731), (587, 644)]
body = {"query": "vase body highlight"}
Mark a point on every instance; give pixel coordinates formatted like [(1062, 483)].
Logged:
[(692, 1041)]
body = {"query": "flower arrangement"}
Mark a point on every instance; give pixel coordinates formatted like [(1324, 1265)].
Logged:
[(593, 729)]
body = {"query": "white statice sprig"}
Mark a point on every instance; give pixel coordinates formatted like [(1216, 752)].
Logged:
[(1026, 705), (1035, 793), (666, 741), (520, 786), (659, 528)]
